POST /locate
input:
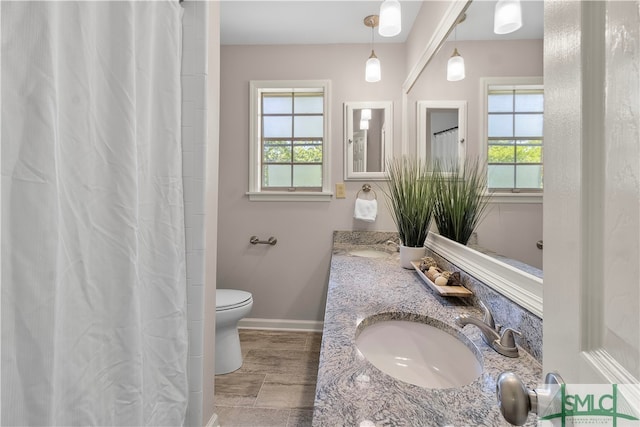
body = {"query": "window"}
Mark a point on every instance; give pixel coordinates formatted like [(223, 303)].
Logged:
[(514, 135), (289, 140)]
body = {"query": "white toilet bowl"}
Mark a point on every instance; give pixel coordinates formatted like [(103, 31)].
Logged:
[(231, 306)]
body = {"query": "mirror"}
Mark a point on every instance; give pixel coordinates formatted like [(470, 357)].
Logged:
[(513, 224), (442, 131), (368, 139)]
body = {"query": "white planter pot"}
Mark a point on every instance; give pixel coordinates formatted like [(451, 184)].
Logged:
[(408, 254)]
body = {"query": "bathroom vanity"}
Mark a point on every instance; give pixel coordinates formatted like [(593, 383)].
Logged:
[(368, 285)]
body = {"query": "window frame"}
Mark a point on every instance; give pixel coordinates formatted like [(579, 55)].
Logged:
[(506, 195), (256, 88)]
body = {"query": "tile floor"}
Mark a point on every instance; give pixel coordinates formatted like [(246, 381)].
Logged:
[(276, 384)]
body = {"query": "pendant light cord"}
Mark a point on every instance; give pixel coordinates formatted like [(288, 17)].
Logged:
[(372, 35), (455, 35)]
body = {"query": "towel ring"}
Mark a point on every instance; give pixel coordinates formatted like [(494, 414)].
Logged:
[(367, 188)]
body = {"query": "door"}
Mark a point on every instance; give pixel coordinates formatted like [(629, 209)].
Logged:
[(359, 150), (592, 192), (432, 115)]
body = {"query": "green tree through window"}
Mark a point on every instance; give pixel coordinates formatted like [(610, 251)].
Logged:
[(515, 142), (292, 138)]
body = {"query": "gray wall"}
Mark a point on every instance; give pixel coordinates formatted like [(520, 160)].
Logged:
[(289, 280), (442, 120), (511, 229)]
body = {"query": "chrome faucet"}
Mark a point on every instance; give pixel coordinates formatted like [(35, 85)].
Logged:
[(395, 244), (503, 343)]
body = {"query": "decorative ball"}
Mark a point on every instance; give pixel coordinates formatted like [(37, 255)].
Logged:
[(441, 281)]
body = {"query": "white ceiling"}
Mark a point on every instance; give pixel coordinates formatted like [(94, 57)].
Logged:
[(305, 21), (479, 22), (341, 21)]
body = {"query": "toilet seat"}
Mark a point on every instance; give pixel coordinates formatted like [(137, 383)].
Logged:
[(228, 299)]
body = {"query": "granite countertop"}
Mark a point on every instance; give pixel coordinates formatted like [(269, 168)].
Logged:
[(352, 392)]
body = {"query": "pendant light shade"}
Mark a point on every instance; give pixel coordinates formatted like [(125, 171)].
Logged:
[(390, 18), (364, 124), (455, 67), (507, 17), (372, 71)]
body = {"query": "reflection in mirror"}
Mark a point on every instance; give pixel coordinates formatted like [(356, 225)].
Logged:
[(368, 139), (515, 220), (442, 131)]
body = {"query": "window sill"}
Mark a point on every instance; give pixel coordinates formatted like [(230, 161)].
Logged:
[(286, 196), (516, 198)]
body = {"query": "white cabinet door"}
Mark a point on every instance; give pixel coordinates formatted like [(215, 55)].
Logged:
[(592, 191)]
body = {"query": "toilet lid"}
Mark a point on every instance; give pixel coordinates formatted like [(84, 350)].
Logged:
[(231, 298)]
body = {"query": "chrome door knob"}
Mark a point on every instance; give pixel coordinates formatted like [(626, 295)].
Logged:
[(516, 401)]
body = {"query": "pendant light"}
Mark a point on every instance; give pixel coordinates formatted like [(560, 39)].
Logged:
[(372, 71), (390, 18), (455, 66), (507, 16)]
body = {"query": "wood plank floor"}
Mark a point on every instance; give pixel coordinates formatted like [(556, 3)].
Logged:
[(276, 384)]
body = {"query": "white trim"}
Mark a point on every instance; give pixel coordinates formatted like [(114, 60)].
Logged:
[(255, 153), (1, 196), (603, 363), (607, 365), (294, 196), (405, 124), (522, 288), (516, 198), (281, 324), (213, 421), (437, 39), (510, 82)]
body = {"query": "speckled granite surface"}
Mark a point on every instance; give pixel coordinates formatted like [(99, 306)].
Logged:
[(352, 392), (505, 311)]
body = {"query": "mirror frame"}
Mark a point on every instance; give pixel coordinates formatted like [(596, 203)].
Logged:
[(421, 114), (387, 148)]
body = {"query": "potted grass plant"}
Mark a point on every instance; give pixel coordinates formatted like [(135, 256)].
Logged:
[(460, 199), (409, 197)]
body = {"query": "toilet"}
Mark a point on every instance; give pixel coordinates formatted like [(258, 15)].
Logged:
[(231, 306)]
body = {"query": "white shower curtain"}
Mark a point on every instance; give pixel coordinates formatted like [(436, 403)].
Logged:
[(444, 147), (93, 252)]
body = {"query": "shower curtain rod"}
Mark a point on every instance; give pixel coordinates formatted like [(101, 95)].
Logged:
[(442, 131)]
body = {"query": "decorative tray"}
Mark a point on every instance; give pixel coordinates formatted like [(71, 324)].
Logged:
[(447, 291)]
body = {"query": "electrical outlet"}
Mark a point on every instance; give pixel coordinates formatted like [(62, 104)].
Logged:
[(341, 191)]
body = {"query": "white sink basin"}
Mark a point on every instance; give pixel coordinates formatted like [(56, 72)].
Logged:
[(418, 354), (369, 253)]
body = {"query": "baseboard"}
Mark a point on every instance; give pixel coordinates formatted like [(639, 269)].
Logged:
[(281, 324), (213, 422)]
